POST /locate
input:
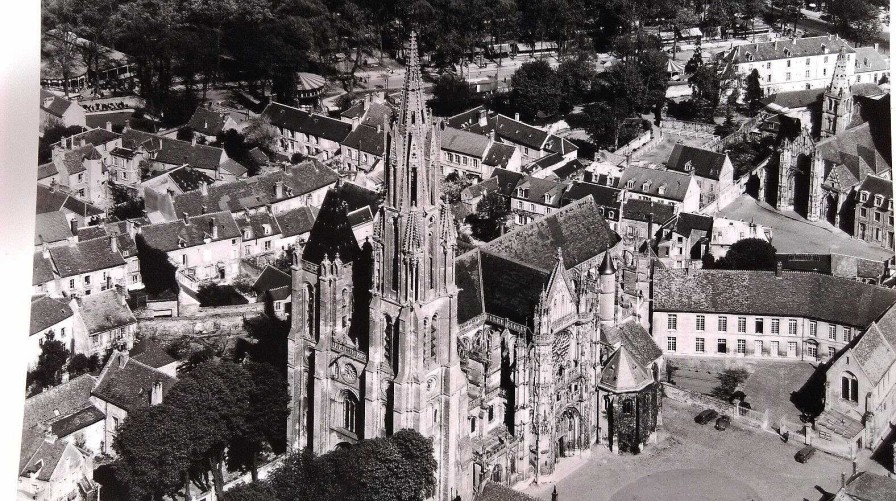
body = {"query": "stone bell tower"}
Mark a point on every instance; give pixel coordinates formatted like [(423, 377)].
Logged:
[(837, 105)]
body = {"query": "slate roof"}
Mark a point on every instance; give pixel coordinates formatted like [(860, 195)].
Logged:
[(332, 232), (464, 142), (537, 188), (876, 186), (256, 222), (296, 221), (468, 276), (858, 150), (42, 269), (151, 353), (47, 312), (675, 183), (77, 421), (73, 159), (506, 180), (84, 257), (840, 423), (57, 106), (511, 130), (797, 294), (703, 163), (126, 245), (867, 486), (783, 49), (44, 459), (129, 387), (367, 139), (294, 119), (639, 210), (104, 310), (177, 235), (174, 151), (511, 289), (794, 99), (271, 278), (256, 191), (51, 227), (868, 59), (635, 338), (95, 136), (622, 373), (876, 349), (280, 293), (188, 179), (375, 114), (233, 167), (208, 122), (686, 223), (605, 196), (53, 200), (498, 155), (578, 229), (466, 118)]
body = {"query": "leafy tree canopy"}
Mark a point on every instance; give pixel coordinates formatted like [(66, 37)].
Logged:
[(749, 254)]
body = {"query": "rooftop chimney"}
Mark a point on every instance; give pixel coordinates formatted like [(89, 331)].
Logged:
[(779, 269), (204, 209), (355, 122), (842, 480), (483, 117), (366, 103), (278, 190), (123, 358), (155, 397), (193, 139), (74, 226), (516, 116), (876, 45), (203, 188), (213, 227), (45, 249), (185, 218), (122, 297), (127, 124), (113, 242), (379, 128)]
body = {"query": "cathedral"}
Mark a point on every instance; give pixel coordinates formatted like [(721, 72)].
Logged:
[(815, 176), (496, 354)]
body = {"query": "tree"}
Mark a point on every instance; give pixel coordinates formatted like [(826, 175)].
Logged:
[(535, 89), (491, 216), (695, 62), (576, 76), (754, 91), (155, 267), (185, 133), (452, 187), (50, 363), (451, 95), (53, 134), (707, 86), (265, 424), (683, 19), (82, 364), (749, 254), (259, 132), (729, 381), (256, 491), (855, 19)]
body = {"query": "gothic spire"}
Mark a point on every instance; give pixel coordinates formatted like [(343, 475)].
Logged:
[(413, 105), (840, 81)]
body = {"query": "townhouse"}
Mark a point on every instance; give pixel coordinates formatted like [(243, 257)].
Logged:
[(58, 110), (684, 240), (871, 65), (124, 233), (475, 155), (259, 230), (676, 189), (207, 122), (80, 170), (712, 171), (874, 211), (295, 225), (103, 321), (725, 232), (533, 197), (641, 220), (87, 267), (308, 134), (48, 315), (761, 314), (607, 198), (202, 247)]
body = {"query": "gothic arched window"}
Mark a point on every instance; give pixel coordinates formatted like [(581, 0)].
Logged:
[(627, 407), (433, 336), (345, 307), (349, 411), (849, 387), (387, 338), (425, 337), (309, 309)]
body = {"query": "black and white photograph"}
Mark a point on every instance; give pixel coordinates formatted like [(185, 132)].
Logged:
[(451, 250)]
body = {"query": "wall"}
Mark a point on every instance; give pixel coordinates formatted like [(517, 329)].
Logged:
[(224, 320), (749, 417)]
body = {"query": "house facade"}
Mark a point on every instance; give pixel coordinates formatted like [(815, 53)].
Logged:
[(308, 134), (874, 211), (712, 171), (676, 189)]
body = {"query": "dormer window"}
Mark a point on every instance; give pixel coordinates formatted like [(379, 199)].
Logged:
[(247, 234), (522, 193), (890, 205), (787, 54), (864, 196), (645, 186), (824, 48), (630, 184), (661, 190), (547, 198), (878, 200), (688, 166), (749, 57), (267, 229)]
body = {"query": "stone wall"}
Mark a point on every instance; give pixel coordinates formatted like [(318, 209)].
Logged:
[(223, 321), (750, 417)]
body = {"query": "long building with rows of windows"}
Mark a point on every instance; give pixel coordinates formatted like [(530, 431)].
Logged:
[(761, 314)]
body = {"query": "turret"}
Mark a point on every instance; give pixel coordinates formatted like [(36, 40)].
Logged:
[(607, 298)]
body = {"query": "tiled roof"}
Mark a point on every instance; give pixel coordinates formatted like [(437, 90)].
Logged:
[(868, 59), (603, 195), (84, 257), (874, 354), (578, 229), (876, 186), (375, 114), (91, 232), (280, 293), (296, 221), (675, 184), (514, 131), (840, 423), (46, 170), (557, 144), (639, 210), (466, 118), (53, 200), (635, 338), (130, 387), (510, 289), (332, 232), (257, 191), (498, 155), (313, 124), (95, 136), (44, 460), (126, 244), (465, 143), (43, 269), (174, 151), (796, 294), (468, 275), (151, 353), (569, 169), (77, 421), (480, 189), (47, 312), (794, 99), (622, 373), (783, 49), (256, 223), (858, 150), (700, 162), (507, 180), (233, 167), (51, 227), (187, 178), (206, 121), (867, 486), (177, 234), (271, 278), (56, 106), (105, 310), (537, 188), (367, 139), (73, 159)]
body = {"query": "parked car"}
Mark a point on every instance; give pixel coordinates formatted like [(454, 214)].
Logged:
[(706, 416), (805, 453), (722, 423)]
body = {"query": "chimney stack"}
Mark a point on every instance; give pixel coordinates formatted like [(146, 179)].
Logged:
[(113, 242), (516, 116), (278, 190), (155, 397), (356, 121), (122, 296), (186, 218), (483, 117), (843, 480), (123, 358), (45, 249), (366, 102), (127, 125), (876, 45), (74, 226), (203, 188), (779, 269), (193, 139), (213, 227)]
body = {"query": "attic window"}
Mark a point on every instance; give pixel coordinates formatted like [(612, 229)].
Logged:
[(267, 229), (688, 166), (661, 190), (749, 57), (181, 242), (547, 198), (645, 186), (878, 200), (864, 196), (523, 193), (630, 184), (247, 234), (787, 54)]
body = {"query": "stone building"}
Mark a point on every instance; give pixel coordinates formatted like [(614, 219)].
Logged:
[(494, 353)]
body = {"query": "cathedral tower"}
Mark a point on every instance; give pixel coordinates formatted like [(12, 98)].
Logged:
[(837, 105)]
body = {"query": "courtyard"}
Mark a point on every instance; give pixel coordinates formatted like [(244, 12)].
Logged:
[(694, 462), (661, 152), (791, 233)]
